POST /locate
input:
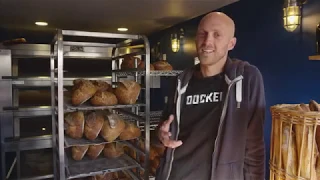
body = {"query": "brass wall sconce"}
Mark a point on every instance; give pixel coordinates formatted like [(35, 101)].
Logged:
[(176, 40), (292, 14)]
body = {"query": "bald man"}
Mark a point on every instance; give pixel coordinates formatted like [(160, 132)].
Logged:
[(213, 121)]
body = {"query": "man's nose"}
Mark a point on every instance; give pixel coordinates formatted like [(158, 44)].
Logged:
[(209, 40)]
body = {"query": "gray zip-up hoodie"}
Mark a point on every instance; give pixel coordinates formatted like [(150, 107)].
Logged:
[(239, 152)]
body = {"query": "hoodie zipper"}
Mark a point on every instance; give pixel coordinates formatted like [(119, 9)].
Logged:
[(224, 110), (178, 104)]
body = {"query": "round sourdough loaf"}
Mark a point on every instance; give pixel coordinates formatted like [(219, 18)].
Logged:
[(104, 98), (162, 65), (127, 92), (128, 62)]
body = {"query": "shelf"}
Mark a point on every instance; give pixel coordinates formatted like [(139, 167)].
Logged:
[(49, 176), (87, 167), (70, 108), (69, 142), (86, 106), (142, 73), (94, 51), (130, 115), (39, 142), (45, 81), (29, 111), (315, 57)]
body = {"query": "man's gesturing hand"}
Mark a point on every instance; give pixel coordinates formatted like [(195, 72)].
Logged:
[(164, 134)]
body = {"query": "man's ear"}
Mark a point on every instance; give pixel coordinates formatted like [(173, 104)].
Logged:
[(232, 43)]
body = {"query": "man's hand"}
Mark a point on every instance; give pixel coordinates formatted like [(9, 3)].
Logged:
[(164, 134)]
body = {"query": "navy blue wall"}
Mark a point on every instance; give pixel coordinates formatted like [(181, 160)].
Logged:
[(281, 56)]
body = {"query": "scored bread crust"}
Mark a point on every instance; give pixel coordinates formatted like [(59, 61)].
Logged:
[(93, 125), (75, 124), (104, 98), (82, 92), (127, 92), (162, 65)]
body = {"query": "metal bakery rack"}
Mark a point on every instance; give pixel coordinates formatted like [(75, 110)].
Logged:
[(69, 169), (46, 149), (26, 141)]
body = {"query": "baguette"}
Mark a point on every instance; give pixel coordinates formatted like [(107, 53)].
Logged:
[(304, 141), (289, 153), (314, 106)]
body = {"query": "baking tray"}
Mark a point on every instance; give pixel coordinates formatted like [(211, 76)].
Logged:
[(87, 167), (69, 142), (86, 106)]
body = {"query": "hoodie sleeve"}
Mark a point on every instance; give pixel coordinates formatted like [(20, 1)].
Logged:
[(254, 165)]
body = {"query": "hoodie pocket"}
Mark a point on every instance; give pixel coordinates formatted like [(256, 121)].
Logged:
[(229, 171)]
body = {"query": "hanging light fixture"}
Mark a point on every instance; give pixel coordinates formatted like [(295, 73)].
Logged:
[(292, 14), (175, 42)]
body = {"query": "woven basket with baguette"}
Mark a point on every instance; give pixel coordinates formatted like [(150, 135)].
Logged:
[(295, 142)]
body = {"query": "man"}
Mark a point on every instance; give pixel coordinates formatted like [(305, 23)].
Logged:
[(214, 120)]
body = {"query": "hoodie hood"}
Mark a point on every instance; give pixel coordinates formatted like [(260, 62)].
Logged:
[(233, 71)]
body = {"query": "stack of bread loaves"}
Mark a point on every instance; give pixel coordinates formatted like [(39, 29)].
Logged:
[(129, 63), (119, 175), (108, 125), (92, 124), (100, 93), (109, 150), (156, 151)]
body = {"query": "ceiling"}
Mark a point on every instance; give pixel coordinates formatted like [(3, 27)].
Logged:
[(139, 16)]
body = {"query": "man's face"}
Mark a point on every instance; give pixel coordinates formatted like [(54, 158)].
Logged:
[(213, 41)]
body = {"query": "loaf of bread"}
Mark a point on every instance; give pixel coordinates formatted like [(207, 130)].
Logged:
[(162, 65), (74, 124), (304, 141), (101, 85), (127, 92), (112, 127), (14, 41), (289, 150), (131, 131), (93, 125), (78, 152), (142, 66), (129, 62), (104, 98), (105, 176), (95, 150), (155, 164), (76, 82), (113, 150), (314, 106), (82, 92)]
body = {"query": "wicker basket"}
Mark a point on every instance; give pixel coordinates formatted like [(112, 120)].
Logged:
[(294, 152)]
